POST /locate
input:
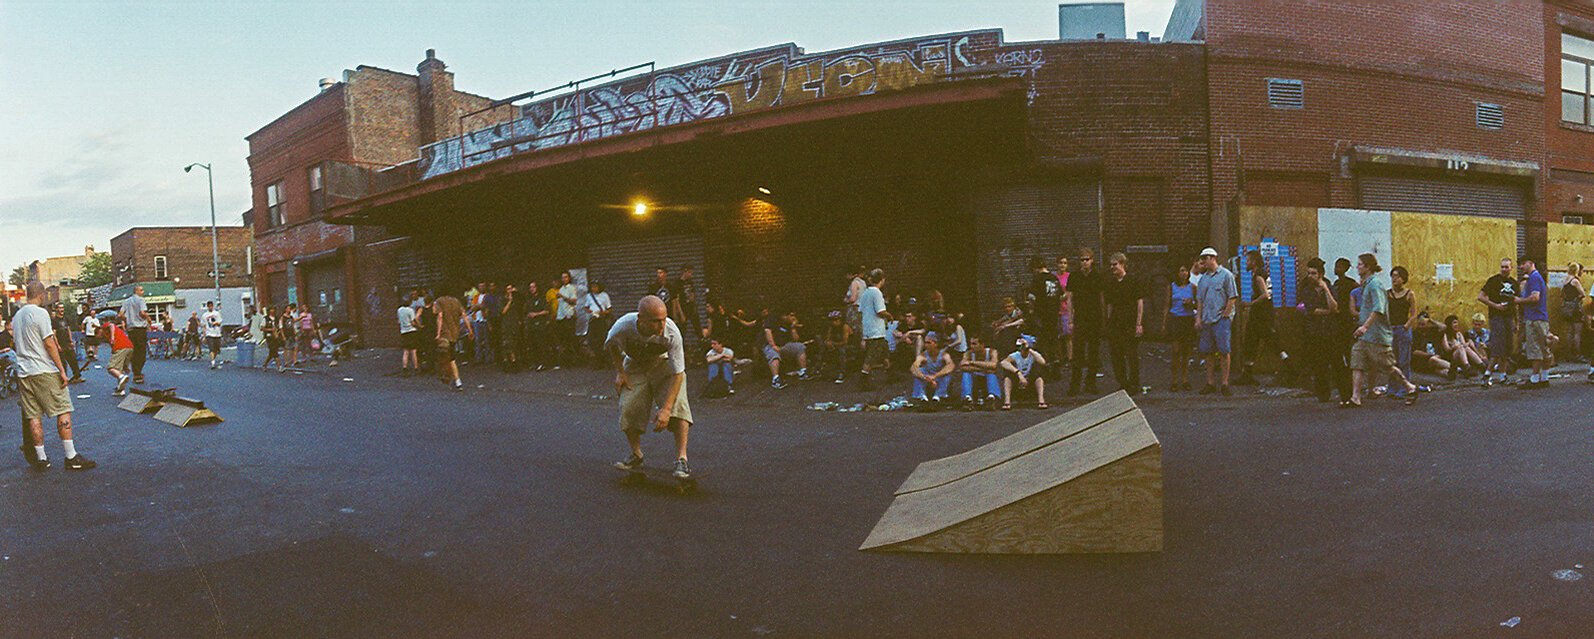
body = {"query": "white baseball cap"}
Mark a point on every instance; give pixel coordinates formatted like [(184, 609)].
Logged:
[(1209, 251)]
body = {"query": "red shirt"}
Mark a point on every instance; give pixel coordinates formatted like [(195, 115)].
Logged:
[(119, 340)]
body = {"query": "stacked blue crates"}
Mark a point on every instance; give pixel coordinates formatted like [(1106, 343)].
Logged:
[(1282, 273)]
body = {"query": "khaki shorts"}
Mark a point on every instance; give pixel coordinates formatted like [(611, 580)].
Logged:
[(1536, 339), (638, 403), (44, 396), (1367, 356), (121, 359)]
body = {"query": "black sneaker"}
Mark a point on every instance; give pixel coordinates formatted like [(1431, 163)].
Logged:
[(777, 383), (682, 471), (39, 465), (634, 462), (79, 462)]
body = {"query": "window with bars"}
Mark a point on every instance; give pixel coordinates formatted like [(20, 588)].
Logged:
[(1577, 56), (1286, 94), (274, 204), (1489, 116)]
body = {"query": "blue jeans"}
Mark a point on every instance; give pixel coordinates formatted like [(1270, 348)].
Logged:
[(721, 369), (484, 342), (941, 385), (1403, 350), (993, 385)]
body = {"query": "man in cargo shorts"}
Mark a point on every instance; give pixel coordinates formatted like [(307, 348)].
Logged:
[(650, 377), (43, 378)]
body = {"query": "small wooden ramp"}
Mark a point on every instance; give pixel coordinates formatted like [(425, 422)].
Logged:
[(141, 401), (937, 472), (1096, 486), (182, 411)]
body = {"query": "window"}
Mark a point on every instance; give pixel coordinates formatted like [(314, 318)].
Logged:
[(1571, 219), (249, 260), (318, 192), (274, 204), (160, 267), (1577, 55), (1490, 116), (1286, 94)]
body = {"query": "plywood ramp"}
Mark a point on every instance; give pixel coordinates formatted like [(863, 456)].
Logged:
[(1099, 490), (937, 472)]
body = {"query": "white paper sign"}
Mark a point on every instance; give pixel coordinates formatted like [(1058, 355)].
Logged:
[(1444, 272), (1557, 279), (1269, 249)]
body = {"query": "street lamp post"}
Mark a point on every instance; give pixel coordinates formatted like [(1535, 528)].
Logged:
[(215, 255)]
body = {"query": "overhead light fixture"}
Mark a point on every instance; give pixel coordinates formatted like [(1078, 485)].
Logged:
[(763, 190), (640, 209)]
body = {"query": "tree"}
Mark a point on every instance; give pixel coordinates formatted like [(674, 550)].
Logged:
[(96, 271), (19, 276)]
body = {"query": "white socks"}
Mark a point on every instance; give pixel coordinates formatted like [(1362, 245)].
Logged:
[(71, 451), (38, 453)]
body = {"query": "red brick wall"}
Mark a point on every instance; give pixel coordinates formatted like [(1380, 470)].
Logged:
[(1403, 74), (1569, 147), (187, 251)]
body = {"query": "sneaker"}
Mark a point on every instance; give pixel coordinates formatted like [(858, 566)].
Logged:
[(79, 462), (777, 383), (682, 471), (121, 385), (138, 379), (840, 379), (634, 462), (459, 386), (39, 465), (76, 380)]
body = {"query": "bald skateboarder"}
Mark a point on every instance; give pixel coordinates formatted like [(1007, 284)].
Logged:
[(650, 377)]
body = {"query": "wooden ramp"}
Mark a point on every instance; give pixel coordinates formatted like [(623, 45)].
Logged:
[(141, 401), (937, 472), (1098, 489), (182, 411)]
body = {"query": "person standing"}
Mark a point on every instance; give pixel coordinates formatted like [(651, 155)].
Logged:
[(1125, 322), (1260, 331), (121, 355), (664, 289), (538, 342), (565, 318), (212, 321), (1045, 295), (478, 321), (409, 335), (287, 327), (1373, 353), (1535, 302), (450, 317), (1572, 295), (1344, 287), (1402, 303), (1084, 299), (91, 339), (1065, 318), (1319, 336), (1179, 325), (254, 335), (600, 310), (1216, 296), (63, 338), (134, 314), (43, 381), (856, 285), (872, 322), (511, 328), (686, 301), (650, 371), (1500, 294)]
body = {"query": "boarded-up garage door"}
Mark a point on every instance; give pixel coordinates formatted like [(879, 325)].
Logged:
[(626, 268), (1018, 222), (326, 296), (1447, 197)]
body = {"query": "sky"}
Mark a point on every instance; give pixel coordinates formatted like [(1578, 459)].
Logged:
[(102, 104)]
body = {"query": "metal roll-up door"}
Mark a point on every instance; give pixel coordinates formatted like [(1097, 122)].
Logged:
[(1018, 222), (418, 267), (1447, 197), (626, 268), (326, 296)]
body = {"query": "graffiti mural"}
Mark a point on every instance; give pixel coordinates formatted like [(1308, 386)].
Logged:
[(742, 83)]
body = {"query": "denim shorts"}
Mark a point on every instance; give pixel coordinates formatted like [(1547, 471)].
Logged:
[(1215, 337)]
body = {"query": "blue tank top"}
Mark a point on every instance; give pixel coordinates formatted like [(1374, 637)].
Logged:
[(1183, 302)]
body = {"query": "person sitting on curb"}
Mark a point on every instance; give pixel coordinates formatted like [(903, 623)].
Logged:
[(781, 341), (932, 369), (721, 369), (980, 361), (1020, 367)]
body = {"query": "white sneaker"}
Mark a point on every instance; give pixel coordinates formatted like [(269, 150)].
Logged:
[(682, 471), (121, 385)]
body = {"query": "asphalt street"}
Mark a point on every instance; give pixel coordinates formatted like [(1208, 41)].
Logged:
[(390, 507)]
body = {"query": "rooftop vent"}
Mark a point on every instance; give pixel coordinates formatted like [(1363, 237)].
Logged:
[(327, 83), (1490, 116), (1286, 94)]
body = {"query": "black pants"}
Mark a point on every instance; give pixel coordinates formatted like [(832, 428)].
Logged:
[(538, 344), (1124, 348), (140, 337), (69, 357), (597, 335), (1087, 353)]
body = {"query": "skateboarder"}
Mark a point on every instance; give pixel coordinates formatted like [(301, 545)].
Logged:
[(650, 372), (121, 355)]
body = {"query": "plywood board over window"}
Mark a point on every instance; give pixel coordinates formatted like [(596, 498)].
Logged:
[(1470, 245), (1287, 225), (1567, 243)]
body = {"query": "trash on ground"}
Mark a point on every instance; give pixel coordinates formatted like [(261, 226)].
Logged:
[(1512, 622), (1567, 575), (84, 396), (348, 379)]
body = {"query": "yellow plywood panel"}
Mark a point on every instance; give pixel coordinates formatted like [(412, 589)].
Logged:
[(1289, 225), (1471, 245), (1567, 243)]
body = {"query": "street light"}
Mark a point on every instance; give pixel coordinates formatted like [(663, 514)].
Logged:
[(215, 257)]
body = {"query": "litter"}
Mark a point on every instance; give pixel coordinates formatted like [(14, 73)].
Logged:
[(1566, 575), (346, 511), (84, 396), (823, 406), (348, 379), (1512, 622), (429, 554)]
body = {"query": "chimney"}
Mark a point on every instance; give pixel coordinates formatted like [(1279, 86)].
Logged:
[(436, 99), (1143, 36)]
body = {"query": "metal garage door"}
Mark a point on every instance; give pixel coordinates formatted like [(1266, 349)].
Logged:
[(326, 297), (626, 268), (1017, 222), (1447, 197)]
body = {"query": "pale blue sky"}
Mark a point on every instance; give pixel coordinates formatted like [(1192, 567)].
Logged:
[(103, 103)]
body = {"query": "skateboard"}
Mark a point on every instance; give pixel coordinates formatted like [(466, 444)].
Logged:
[(639, 477)]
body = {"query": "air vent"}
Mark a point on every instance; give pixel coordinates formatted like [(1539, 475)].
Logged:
[(1491, 116), (1285, 94), (1571, 219)]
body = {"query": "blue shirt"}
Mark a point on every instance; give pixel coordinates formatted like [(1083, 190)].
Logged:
[(1540, 310), (1375, 299), (869, 305), (1181, 295)]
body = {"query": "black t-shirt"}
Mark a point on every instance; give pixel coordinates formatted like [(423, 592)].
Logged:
[(1121, 296), (1046, 293), (63, 331), (1086, 289), (779, 330), (1500, 290), (537, 303), (666, 291), (683, 291), (5, 339)]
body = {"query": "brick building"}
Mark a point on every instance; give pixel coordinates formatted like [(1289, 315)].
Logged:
[(327, 150), (179, 257), (949, 160)]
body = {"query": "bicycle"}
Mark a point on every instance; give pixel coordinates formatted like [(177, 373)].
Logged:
[(10, 384)]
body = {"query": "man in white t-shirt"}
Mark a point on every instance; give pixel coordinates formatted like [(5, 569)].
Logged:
[(650, 371), (600, 312), (91, 340), (564, 319), (872, 309), (43, 382), (211, 321), (409, 338)]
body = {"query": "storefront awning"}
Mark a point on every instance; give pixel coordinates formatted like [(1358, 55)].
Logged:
[(154, 293)]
